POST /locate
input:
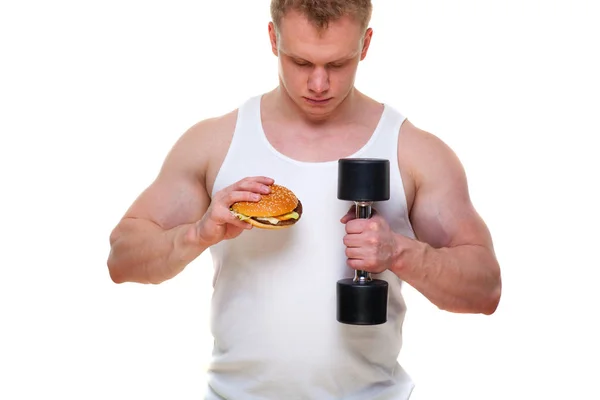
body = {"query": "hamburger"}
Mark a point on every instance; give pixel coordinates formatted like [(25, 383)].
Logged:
[(279, 209)]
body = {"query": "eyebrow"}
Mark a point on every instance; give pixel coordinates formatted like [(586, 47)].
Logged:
[(345, 58)]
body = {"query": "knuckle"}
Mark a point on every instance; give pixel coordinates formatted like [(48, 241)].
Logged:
[(227, 199), (242, 182), (220, 195), (221, 214), (373, 226)]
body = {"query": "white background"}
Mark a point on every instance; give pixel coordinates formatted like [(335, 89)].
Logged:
[(94, 94)]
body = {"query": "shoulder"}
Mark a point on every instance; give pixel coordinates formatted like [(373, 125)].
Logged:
[(426, 157), (428, 166), (210, 140), (442, 212), (210, 130), (202, 142)]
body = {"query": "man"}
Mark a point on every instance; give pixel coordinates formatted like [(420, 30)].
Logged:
[(276, 335)]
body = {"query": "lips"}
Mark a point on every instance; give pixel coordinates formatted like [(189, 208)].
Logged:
[(317, 101)]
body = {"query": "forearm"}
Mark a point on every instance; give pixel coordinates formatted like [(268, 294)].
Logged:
[(142, 252), (463, 279)]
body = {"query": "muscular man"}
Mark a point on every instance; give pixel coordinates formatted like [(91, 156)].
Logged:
[(273, 310)]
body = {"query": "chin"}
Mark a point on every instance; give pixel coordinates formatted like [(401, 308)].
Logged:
[(317, 111)]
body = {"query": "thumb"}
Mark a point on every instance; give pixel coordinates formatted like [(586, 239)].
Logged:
[(350, 215)]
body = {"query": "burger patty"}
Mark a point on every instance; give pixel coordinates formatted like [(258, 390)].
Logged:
[(298, 209)]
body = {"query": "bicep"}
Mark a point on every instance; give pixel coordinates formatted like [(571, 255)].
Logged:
[(171, 200), (442, 213), (177, 195)]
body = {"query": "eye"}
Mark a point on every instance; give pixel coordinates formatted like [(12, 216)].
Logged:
[(337, 65), (300, 63)]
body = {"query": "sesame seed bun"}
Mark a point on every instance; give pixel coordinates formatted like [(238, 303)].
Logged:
[(280, 201)]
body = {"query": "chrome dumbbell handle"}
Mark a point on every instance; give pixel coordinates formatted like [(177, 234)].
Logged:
[(363, 210)]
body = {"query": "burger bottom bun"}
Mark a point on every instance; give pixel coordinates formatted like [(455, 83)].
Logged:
[(260, 225)]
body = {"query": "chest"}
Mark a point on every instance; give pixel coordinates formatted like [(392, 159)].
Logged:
[(317, 145)]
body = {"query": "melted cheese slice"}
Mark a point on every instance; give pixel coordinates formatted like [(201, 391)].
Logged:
[(285, 217), (275, 220), (272, 220)]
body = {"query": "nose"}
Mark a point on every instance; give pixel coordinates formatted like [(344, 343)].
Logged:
[(318, 81)]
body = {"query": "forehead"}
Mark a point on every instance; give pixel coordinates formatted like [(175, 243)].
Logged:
[(300, 37)]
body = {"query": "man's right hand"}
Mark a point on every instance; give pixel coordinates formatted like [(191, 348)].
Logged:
[(218, 223)]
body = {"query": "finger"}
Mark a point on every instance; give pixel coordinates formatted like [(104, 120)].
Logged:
[(239, 196), (356, 226), (257, 184), (354, 253), (265, 180), (232, 219), (351, 214), (240, 224), (352, 240), (356, 263)]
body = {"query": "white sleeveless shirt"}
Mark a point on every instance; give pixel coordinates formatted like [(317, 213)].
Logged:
[(274, 303)]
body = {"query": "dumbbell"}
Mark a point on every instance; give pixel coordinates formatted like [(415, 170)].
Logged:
[(362, 300)]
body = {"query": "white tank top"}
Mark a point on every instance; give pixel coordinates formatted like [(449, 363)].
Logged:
[(274, 304)]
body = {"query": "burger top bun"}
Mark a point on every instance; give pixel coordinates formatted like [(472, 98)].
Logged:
[(279, 201)]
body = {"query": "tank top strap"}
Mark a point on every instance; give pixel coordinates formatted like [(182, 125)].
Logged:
[(249, 122), (384, 142)]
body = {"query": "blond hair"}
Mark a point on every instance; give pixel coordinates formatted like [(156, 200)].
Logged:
[(322, 12)]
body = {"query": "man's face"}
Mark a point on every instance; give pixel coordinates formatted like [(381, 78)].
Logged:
[(317, 68)]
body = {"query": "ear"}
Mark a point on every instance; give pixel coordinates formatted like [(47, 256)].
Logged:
[(366, 43), (273, 38)]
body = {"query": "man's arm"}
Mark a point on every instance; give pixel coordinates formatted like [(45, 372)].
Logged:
[(175, 220), (453, 262), (154, 240)]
